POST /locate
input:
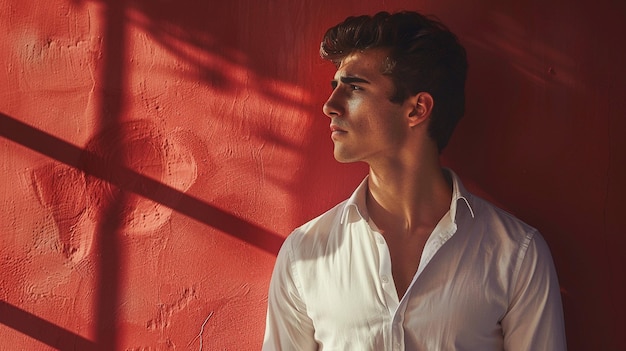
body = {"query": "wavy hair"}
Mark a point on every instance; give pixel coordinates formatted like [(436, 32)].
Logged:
[(423, 56)]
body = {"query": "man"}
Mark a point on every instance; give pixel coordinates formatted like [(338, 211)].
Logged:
[(411, 261)]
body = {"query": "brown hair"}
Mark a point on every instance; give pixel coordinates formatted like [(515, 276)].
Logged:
[(424, 56)]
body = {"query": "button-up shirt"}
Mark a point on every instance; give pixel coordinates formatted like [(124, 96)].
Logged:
[(486, 281)]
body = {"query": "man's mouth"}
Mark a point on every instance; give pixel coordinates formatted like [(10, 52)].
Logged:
[(336, 129)]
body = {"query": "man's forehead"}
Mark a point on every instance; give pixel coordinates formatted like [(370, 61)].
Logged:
[(363, 63)]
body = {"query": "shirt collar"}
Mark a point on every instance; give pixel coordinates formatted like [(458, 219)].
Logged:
[(356, 208), (458, 193)]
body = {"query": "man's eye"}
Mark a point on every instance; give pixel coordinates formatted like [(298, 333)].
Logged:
[(355, 87)]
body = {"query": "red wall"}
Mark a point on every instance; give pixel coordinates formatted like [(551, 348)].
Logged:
[(155, 153)]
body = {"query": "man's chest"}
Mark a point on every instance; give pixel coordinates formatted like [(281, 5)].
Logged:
[(354, 290)]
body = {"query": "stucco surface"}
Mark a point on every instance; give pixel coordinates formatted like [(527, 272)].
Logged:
[(154, 154)]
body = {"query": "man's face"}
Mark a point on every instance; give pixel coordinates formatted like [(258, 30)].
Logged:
[(365, 124)]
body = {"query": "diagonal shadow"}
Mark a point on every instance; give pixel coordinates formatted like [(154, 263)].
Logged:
[(128, 180), (42, 330), (62, 151)]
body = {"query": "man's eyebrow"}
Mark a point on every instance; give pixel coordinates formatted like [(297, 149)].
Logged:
[(349, 80)]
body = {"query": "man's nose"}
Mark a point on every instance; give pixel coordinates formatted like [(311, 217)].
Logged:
[(334, 105)]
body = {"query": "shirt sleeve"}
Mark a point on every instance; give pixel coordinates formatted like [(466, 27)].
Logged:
[(534, 320), (288, 327)]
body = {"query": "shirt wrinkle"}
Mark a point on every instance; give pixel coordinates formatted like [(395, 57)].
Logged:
[(294, 272), (475, 265), (520, 260)]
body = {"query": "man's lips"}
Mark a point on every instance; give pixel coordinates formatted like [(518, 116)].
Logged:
[(335, 128), (336, 132)]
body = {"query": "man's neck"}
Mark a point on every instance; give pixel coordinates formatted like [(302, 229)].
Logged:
[(406, 199)]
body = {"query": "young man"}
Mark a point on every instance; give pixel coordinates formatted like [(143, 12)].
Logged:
[(411, 261)]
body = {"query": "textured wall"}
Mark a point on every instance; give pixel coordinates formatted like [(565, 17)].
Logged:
[(155, 153)]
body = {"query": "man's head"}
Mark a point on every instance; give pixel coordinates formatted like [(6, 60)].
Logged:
[(423, 56)]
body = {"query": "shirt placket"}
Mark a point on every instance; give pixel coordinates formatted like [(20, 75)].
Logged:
[(394, 336), (397, 308)]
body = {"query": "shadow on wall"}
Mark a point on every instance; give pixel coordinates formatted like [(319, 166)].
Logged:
[(122, 172), (42, 330), (99, 177), (96, 176)]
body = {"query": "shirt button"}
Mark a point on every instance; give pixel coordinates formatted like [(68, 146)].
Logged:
[(385, 279)]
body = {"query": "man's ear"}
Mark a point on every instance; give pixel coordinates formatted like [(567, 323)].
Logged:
[(421, 107)]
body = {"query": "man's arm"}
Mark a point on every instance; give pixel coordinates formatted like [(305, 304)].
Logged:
[(534, 320), (288, 327)]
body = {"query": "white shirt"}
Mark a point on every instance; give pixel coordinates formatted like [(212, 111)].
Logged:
[(486, 281)]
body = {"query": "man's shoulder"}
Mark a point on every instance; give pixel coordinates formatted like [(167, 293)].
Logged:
[(324, 222), (317, 230), (482, 213), (500, 221), (495, 235)]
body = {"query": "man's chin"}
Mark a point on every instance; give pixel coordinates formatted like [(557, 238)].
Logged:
[(344, 158)]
